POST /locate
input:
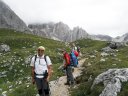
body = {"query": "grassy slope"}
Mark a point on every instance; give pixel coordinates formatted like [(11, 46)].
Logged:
[(24, 45), (16, 58), (97, 67)]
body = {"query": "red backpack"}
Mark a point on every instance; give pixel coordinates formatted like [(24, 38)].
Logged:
[(66, 55), (76, 53)]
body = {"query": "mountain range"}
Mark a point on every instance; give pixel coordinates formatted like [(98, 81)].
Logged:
[(57, 31)]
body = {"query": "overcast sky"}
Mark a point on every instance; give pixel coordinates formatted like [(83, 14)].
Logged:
[(108, 17)]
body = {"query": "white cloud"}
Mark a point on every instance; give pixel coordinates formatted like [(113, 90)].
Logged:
[(95, 16)]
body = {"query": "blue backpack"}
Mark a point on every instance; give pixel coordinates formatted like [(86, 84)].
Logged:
[(73, 59)]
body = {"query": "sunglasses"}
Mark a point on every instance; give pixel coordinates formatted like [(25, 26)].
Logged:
[(40, 50)]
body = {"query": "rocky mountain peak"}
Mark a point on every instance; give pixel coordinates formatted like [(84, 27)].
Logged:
[(79, 33), (62, 26), (58, 31)]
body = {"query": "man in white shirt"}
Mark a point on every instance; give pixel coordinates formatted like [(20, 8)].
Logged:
[(41, 71)]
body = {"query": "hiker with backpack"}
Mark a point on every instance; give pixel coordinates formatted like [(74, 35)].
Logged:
[(76, 48), (68, 67), (74, 59), (41, 71)]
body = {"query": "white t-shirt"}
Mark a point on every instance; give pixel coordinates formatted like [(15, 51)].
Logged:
[(40, 65)]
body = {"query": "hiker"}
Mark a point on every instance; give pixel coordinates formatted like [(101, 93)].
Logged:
[(41, 71), (68, 67), (74, 60), (76, 48)]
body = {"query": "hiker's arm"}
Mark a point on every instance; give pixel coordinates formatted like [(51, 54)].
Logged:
[(49, 71), (49, 66), (33, 75), (66, 61)]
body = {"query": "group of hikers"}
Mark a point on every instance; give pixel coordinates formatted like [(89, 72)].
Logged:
[(42, 68)]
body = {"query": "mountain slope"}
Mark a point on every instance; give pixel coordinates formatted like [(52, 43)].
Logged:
[(8, 19), (101, 37), (123, 38)]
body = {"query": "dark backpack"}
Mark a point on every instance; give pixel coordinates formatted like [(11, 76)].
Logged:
[(73, 59)]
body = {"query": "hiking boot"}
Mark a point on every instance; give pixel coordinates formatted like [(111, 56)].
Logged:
[(72, 69), (67, 83), (72, 83)]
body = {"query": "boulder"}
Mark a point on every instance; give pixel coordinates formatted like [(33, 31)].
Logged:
[(4, 48), (112, 80)]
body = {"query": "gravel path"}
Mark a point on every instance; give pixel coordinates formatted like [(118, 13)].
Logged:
[(58, 88)]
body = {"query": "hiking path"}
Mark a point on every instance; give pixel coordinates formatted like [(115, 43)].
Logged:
[(58, 88)]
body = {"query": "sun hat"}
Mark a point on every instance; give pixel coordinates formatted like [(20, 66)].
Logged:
[(41, 48)]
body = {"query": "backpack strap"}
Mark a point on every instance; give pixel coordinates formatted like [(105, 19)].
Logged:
[(44, 59), (35, 60)]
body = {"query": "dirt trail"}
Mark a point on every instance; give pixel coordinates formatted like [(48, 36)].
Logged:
[(58, 88)]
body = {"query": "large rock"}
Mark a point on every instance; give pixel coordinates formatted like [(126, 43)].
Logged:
[(4, 48), (8, 19), (115, 45), (112, 80), (107, 50)]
